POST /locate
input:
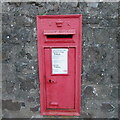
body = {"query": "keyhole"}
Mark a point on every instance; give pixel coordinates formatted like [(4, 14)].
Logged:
[(50, 81)]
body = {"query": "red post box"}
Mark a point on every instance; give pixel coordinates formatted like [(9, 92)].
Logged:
[(60, 61)]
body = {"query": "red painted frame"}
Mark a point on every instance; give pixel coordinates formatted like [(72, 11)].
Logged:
[(41, 46)]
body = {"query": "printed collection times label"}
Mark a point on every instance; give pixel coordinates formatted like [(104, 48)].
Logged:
[(59, 61)]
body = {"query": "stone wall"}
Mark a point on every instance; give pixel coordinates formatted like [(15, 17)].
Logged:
[(20, 93)]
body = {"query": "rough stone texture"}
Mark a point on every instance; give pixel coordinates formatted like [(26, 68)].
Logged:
[(100, 57)]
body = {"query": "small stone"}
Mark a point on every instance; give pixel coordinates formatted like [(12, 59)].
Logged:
[(31, 99), (93, 4), (102, 74), (29, 56), (38, 100), (9, 87), (86, 115), (23, 104), (114, 93), (26, 85), (107, 107), (9, 105), (8, 37), (22, 53), (74, 4), (20, 65), (88, 92), (35, 109)]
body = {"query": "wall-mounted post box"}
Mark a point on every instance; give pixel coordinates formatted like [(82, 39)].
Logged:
[(60, 56)]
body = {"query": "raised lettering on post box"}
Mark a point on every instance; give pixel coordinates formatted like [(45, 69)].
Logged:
[(59, 60)]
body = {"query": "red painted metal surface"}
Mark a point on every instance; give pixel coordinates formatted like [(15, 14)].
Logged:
[(60, 91)]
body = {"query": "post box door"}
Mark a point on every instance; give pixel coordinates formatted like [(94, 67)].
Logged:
[(60, 78)]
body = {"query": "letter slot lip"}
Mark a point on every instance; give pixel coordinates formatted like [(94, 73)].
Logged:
[(60, 32), (59, 36)]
